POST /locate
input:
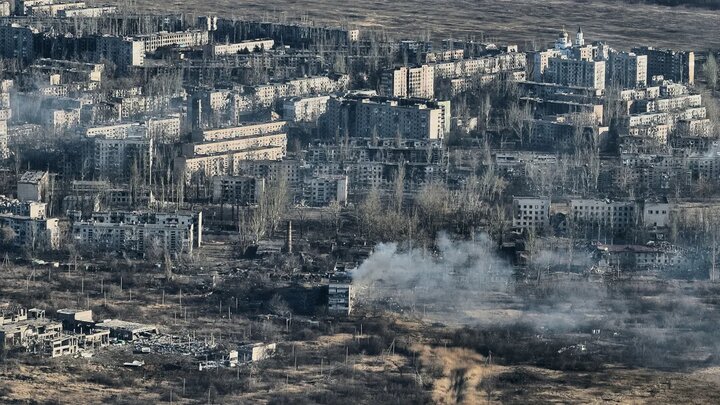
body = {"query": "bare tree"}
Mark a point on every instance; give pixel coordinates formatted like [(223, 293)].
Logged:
[(710, 69), (7, 236)]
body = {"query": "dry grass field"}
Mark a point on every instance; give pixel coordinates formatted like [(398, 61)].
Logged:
[(616, 22)]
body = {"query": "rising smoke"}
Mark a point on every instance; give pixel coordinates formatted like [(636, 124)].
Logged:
[(450, 280), (467, 282)]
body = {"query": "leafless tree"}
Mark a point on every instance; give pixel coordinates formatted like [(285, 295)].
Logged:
[(710, 69)]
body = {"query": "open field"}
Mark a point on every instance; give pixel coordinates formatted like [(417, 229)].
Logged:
[(656, 345), (618, 23)]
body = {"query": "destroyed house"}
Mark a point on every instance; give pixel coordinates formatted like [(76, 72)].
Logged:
[(128, 331), (28, 333)]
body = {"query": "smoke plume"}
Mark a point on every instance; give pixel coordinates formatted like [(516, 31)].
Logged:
[(456, 277)]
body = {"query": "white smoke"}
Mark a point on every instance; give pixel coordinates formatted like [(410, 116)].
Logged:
[(454, 278)]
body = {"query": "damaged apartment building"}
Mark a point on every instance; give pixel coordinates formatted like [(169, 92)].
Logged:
[(30, 330), (30, 226), (220, 152), (139, 232)]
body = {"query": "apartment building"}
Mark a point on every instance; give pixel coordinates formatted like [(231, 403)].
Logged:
[(69, 71), (16, 42), (627, 69), (633, 257), (31, 209), (678, 66), (265, 95), (667, 104), (231, 145), (341, 295), (379, 117), (305, 109), (122, 51), (119, 158), (322, 190), (237, 190), (573, 72), (87, 12), (486, 65), (671, 109), (215, 50), (53, 8), (34, 186), (164, 129), (182, 39), (4, 137), (117, 131), (140, 231), (620, 215), (413, 82), (33, 233), (200, 168), (531, 214), (222, 134), (560, 132), (616, 215)]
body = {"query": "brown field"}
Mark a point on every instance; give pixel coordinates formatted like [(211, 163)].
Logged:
[(620, 24)]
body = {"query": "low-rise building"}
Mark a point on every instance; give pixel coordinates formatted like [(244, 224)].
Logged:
[(181, 39), (322, 190), (215, 50), (33, 233), (531, 214), (340, 291), (34, 186), (305, 109), (139, 232), (237, 190)]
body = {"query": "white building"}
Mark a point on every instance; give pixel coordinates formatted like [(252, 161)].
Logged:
[(219, 152), (340, 291), (33, 233), (322, 190), (531, 213), (117, 158), (140, 231), (123, 52), (574, 72), (617, 215), (417, 82), (627, 70), (656, 214), (182, 39), (215, 50), (305, 109), (33, 186)]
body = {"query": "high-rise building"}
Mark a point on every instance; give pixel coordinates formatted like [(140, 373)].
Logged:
[(123, 52), (382, 117), (416, 82), (627, 70), (573, 72), (16, 42), (678, 66)]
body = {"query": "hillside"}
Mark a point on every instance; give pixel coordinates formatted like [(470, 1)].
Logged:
[(618, 23)]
